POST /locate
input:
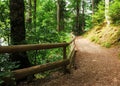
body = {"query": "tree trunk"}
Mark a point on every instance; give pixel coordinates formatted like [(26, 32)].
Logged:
[(77, 16), (107, 12), (34, 14), (78, 23), (18, 31), (60, 14), (83, 15), (92, 7), (30, 13)]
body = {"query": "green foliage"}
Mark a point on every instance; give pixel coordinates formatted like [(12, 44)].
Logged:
[(46, 14), (45, 56), (88, 22), (88, 14), (99, 15), (115, 12), (5, 67), (46, 32), (4, 19), (106, 44)]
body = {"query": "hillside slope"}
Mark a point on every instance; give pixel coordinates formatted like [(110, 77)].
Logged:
[(104, 35)]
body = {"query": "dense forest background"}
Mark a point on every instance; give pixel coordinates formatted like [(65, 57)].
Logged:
[(54, 21)]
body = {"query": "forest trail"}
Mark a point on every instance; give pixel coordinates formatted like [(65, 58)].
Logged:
[(96, 66)]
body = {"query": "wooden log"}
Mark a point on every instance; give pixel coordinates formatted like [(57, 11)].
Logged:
[(21, 73), (21, 48), (64, 57), (28, 47), (72, 57), (64, 53)]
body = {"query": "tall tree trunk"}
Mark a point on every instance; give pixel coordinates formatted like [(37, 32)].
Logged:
[(60, 14), (18, 31), (78, 16), (34, 14), (92, 7), (30, 14), (83, 15), (107, 12), (78, 23), (62, 6)]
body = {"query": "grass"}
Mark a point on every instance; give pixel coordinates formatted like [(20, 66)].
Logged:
[(103, 35), (106, 44)]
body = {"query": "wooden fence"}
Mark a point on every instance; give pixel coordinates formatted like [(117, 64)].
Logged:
[(66, 63)]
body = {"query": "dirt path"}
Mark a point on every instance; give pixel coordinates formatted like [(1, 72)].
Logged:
[(96, 66)]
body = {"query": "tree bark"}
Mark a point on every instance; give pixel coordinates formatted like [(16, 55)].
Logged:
[(92, 7), (60, 14), (77, 15), (107, 12), (18, 31), (78, 25), (34, 14), (62, 11), (30, 13), (83, 15)]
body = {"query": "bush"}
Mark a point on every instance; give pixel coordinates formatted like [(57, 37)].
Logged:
[(5, 67), (115, 12), (106, 44), (99, 15)]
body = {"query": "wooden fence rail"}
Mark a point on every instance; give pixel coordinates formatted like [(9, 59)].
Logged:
[(21, 73), (21, 48)]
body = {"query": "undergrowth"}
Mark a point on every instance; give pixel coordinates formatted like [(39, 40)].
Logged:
[(104, 35)]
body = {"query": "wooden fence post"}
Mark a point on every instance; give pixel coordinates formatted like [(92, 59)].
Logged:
[(64, 53), (64, 58)]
